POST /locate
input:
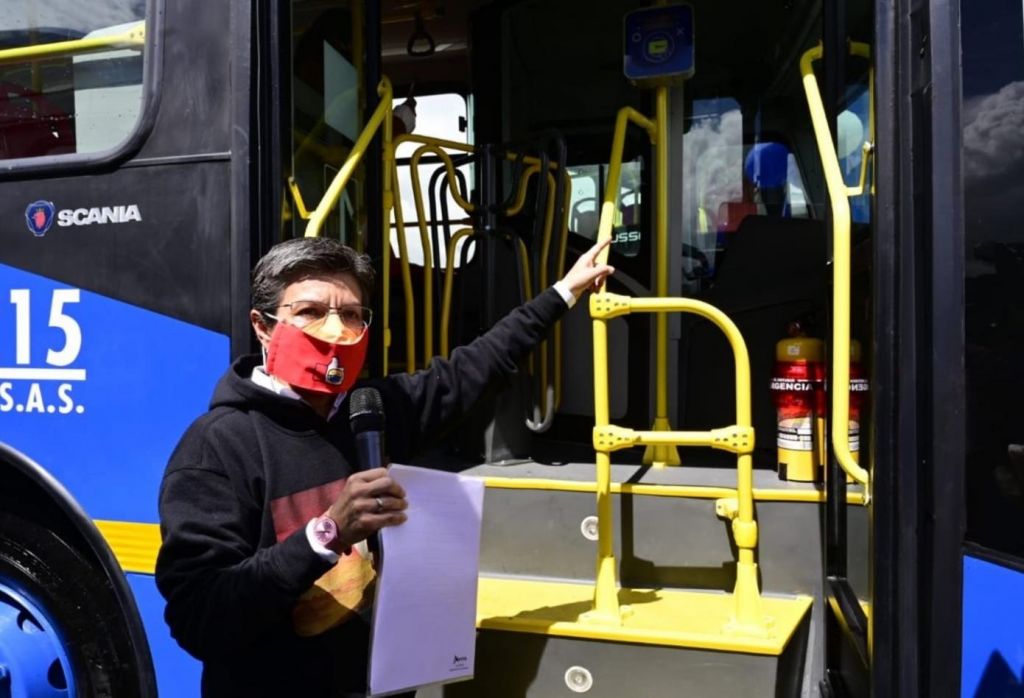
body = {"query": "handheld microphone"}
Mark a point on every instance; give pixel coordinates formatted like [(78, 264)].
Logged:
[(366, 417)]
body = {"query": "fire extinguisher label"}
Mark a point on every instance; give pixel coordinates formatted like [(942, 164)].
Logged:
[(796, 434), (792, 385), (854, 436)]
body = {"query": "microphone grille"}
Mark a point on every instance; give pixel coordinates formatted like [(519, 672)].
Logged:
[(366, 410)]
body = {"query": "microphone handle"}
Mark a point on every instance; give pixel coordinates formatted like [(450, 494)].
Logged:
[(370, 449)]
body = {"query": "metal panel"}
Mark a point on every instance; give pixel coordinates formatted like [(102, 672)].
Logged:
[(663, 541), (174, 260), (518, 665)]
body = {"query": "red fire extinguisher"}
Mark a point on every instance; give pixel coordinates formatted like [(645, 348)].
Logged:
[(798, 386)]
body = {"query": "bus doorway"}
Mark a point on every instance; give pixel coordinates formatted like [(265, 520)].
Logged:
[(751, 231)]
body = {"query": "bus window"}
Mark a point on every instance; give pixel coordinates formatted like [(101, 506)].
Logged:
[(325, 100), (437, 116), (853, 131), (586, 194), (727, 179), (77, 99), (993, 173)]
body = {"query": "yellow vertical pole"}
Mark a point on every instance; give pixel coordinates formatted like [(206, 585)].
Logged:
[(449, 281), (542, 274), (387, 173), (403, 253), (606, 590), (749, 618), (661, 455), (428, 254)]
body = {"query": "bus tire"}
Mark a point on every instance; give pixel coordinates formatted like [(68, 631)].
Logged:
[(76, 600)]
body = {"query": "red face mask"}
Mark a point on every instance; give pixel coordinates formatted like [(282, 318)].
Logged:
[(304, 361)]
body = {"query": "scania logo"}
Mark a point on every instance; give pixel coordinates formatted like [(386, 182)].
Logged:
[(39, 217), (105, 214)]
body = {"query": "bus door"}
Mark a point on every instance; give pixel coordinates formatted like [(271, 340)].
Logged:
[(752, 232)]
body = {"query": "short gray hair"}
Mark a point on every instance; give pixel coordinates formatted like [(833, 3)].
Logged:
[(302, 258)]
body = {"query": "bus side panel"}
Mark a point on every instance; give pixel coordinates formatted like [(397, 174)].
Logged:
[(177, 673), (993, 644), (155, 237), (194, 92), (98, 391)]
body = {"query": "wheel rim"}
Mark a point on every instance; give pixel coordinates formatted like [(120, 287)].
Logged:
[(34, 661)]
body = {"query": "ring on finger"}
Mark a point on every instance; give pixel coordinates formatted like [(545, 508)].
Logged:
[(380, 504)]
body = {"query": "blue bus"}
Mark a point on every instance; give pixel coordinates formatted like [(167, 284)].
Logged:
[(811, 214)]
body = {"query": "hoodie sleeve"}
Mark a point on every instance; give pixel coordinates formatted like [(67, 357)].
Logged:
[(223, 592), (429, 400)]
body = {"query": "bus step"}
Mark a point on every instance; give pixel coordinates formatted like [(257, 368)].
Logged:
[(532, 642)]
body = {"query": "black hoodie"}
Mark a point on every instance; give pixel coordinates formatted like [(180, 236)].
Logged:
[(245, 592)]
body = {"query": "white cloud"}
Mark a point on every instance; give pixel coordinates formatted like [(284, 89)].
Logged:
[(994, 133)]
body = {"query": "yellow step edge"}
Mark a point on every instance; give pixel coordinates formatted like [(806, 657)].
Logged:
[(761, 494), (669, 617)]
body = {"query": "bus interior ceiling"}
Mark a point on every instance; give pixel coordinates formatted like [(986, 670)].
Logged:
[(558, 67)]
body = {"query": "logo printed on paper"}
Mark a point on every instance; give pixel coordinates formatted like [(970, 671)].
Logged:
[(39, 217), (459, 663)]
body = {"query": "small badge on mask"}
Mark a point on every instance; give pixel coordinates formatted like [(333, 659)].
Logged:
[(333, 373)]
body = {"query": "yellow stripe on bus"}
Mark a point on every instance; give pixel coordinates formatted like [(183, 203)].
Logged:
[(135, 545)]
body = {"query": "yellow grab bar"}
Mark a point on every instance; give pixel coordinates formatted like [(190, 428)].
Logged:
[(737, 438), (403, 260), (449, 281), (134, 39), (545, 414), (563, 248), (425, 241), (517, 205), (437, 142), (330, 199), (300, 204), (387, 205), (657, 130), (837, 195)]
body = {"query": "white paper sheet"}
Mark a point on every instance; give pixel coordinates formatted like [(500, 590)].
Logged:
[(424, 619)]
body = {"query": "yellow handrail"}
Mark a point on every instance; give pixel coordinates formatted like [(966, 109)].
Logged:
[(403, 260), (737, 438), (438, 142), (543, 416), (449, 280), (133, 39), (382, 114), (524, 180), (840, 272), (563, 248), (300, 204), (389, 177), (657, 130), (425, 241)]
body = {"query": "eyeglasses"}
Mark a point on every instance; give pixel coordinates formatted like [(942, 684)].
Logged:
[(354, 317)]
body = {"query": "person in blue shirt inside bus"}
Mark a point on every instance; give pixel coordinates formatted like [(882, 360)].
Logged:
[(264, 511)]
